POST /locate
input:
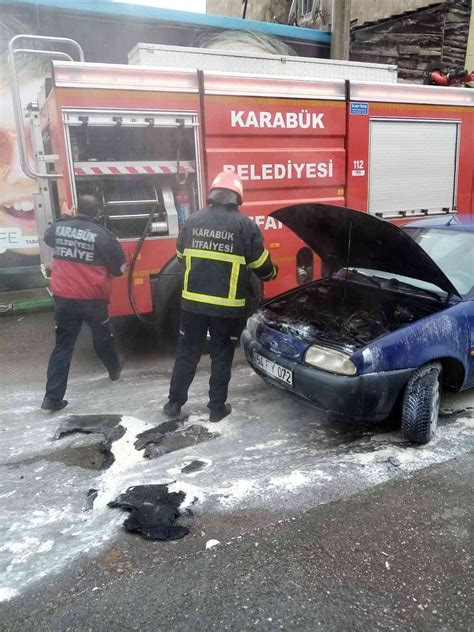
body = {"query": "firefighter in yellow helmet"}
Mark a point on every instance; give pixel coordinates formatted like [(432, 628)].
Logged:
[(219, 248)]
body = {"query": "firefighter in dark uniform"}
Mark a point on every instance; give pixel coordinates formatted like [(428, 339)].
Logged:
[(219, 248), (86, 257)]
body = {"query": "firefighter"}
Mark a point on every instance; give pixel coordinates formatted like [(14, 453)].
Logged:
[(86, 257), (219, 248)]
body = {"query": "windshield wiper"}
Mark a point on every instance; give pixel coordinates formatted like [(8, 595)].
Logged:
[(372, 279), (393, 282)]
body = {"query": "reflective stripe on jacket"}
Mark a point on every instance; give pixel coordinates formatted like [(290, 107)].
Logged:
[(220, 247)]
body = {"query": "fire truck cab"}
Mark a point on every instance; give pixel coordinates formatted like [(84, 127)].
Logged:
[(147, 138)]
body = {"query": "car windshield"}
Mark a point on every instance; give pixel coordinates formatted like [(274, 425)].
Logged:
[(378, 276), (451, 250)]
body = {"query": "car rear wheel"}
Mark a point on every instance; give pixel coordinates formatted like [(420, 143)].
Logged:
[(420, 407)]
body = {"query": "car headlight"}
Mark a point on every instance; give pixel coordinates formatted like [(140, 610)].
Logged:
[(330, 360), (252, 325)]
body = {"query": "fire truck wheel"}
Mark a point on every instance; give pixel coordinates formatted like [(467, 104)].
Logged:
[(170, 327), (421, 404)]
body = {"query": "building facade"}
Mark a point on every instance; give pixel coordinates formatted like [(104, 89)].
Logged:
[(413, 34), (277, 10), (433, 36)]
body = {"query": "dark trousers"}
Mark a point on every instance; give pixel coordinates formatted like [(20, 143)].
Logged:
[(69, 315), (224, 334)]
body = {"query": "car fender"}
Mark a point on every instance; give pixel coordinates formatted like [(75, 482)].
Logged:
[(445, 334)]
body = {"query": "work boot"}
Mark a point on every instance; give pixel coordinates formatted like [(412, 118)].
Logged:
[(172, 409), (53, 404), (114, 375), (217, 414)]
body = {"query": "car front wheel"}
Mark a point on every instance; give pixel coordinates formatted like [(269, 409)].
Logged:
[(421, 404)]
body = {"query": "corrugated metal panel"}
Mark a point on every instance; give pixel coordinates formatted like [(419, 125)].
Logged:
[(252, 64), (412, 166)]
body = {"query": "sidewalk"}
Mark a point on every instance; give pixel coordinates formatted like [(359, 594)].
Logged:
[(21, 302)]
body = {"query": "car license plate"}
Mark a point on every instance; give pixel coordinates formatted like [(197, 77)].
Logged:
[(273, 369)]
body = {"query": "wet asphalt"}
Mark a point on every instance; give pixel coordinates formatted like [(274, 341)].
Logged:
[(393, 556), (396, 557)]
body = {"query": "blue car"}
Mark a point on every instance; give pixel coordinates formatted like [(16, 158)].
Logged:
[(391, 322)]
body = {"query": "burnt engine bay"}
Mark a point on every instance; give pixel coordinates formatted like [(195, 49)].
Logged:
[(344, 313)]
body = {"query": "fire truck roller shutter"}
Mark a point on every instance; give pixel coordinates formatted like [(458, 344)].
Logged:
[(412, 165)]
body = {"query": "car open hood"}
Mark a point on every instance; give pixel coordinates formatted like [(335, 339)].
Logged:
[(343, 237)]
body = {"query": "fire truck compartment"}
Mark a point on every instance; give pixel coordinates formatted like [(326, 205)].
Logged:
[(127, 142), (141, 165)]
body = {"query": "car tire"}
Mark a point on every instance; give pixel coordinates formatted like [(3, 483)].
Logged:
[(420, 406)]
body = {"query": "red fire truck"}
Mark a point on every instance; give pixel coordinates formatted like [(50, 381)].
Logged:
[(148, 139)]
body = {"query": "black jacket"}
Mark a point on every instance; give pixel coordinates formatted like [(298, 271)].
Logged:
[(220, 248), (86, 256)]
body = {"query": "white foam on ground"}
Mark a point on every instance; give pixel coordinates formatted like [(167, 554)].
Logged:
[(467, 422), (232, 494), (275, 463), (291, 481), (194, 494), (7, 593), (269, 445), (45, 540), (127, 458), (391, 450), (8, 494)]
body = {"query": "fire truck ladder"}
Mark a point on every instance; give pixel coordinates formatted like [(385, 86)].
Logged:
[(41, 171)]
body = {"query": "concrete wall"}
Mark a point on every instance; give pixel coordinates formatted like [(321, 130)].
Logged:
[(362, 10), (369, 11), (231, 8), (264, 10)]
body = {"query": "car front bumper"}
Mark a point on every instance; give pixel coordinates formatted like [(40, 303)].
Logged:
[(368, 397)]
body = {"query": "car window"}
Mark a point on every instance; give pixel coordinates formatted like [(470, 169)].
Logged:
[(452, 251)]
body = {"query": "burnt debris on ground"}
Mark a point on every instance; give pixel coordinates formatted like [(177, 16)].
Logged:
[(87, 452), (90, 499), (106, 425), (164, 444), (194, 466), (154, 434), (154, 511)]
